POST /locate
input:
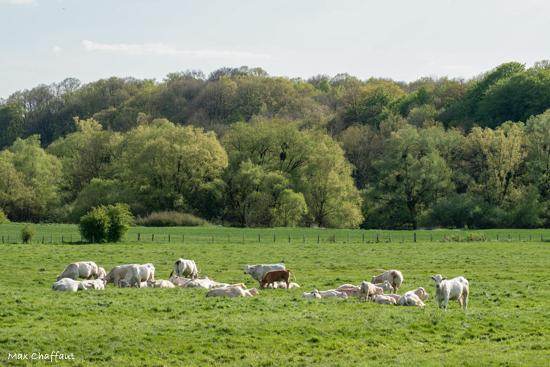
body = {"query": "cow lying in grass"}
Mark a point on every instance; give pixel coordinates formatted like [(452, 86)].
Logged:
[(81, 269)]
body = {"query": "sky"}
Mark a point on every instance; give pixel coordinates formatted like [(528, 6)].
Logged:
[(46, 41)]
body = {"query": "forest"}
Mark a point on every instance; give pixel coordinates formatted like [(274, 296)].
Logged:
[(242, 148)]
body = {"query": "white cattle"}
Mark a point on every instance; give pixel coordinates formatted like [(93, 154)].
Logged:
[(349, 289), (411, 299), (369, 290), (312, 295), (162, 284), (101, 274), (332, 293), (98, 284), (232, 291), (385, 300), (386, 286), (81, 269), (394, 277), (396, 297), (183, 267), (258, 271), (179, 281), (132, 277), (147, 272), (451, 289), (67, 285), (118, 273)]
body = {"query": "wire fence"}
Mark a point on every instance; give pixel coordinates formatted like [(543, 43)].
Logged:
[(352, 237)]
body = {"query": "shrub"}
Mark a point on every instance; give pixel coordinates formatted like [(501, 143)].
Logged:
[(3, 217), (171, 219), (27, 233), (106, 223)]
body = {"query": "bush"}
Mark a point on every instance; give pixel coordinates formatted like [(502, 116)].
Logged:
[(106, 223), (3, 217), (27, 233), (170, 219)]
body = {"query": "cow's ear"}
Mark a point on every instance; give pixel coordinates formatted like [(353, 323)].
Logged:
[(444, 279), (433, 278)]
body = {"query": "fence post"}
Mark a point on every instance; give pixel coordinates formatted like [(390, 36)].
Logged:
[(318, 237), (3, 239), (152, 237), (509, 237), (42, 239), (243, 237), (431, 237), (377, 238), (497, 236), (259, 239), (169, 238), (183, 238), (71, 238), (363, 238), (414, 237), (389, 237), (139, 236), (304, 239), (347, 238), (212, 239), (273, 237), (541, 238), (288, 238)]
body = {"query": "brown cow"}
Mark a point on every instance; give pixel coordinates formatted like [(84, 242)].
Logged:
[(275, 276)]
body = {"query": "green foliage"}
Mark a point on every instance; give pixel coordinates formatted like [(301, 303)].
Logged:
[(106, 223), (27, 233), (170, 219), (3, 217)]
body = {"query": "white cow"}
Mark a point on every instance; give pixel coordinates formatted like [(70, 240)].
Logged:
[(98, 284), (332, 293), (125, 276), (183, 267), (232, 291), (162, 284), (394, 277), (101, 274), (411, 299), (81, 269), (147, 272), (386, 286), (451, 289), (369, 290), (205, 283), (349, 289), (385, 300), (313, 295), (67, 285), (258, 271)]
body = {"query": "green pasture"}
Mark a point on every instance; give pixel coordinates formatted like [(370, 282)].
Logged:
[(506, 324)]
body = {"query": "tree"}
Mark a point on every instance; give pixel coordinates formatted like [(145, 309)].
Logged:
[(165, 165), (11, 123), (412, 176)]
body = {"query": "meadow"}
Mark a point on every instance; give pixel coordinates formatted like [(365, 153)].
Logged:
[(506, 323)]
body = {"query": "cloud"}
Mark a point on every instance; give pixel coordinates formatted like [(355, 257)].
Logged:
[(19, 2), (161, 49), (56, 49)]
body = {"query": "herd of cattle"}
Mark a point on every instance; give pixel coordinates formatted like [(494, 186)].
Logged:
[(380, 289)]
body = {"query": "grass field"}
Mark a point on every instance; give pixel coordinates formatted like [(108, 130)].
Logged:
[(506, 324)]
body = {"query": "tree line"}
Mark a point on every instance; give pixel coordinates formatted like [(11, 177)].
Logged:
[(240, 147)]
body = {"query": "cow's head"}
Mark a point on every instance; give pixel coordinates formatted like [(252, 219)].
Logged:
[(438, 279), (248, 269), (421, 293)]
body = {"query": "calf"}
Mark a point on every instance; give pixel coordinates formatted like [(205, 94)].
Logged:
[(67, 285), (385, 300), (451, 289), (232, 291), (258, 271), (98, 284), (275, 276), (369, 290)]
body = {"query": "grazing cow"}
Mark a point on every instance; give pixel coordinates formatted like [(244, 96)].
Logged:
[(369, 290), (183, 267), (147, 272), (67, 285), (232, 291), (386, 286), (98, 284), (384, 300), (349, 289), (125, 276), (451, 289), (81, 269), (162, 284), (258, 271), (118, 273), (275, 276), (394, 277)]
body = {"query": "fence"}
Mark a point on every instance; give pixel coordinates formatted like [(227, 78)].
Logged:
[(352, 237)]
